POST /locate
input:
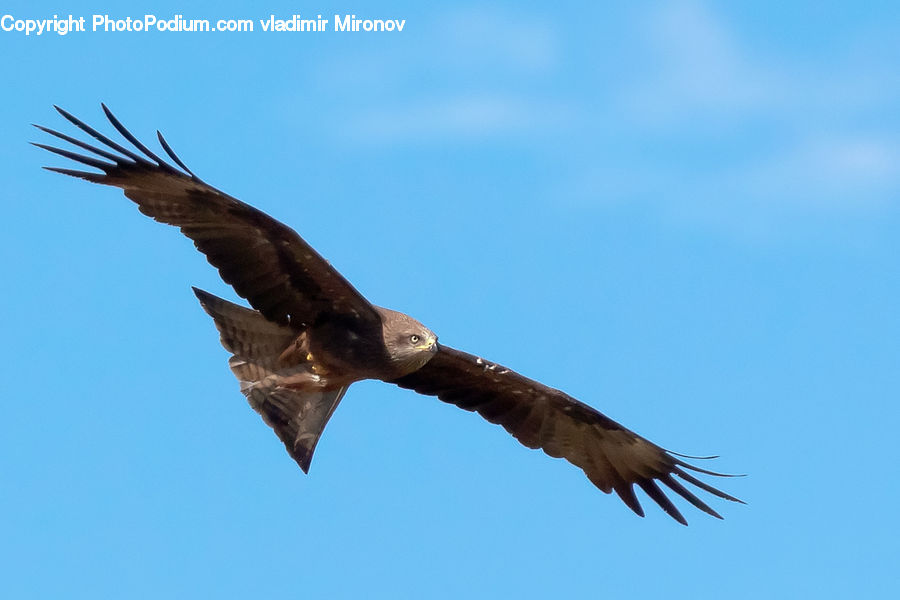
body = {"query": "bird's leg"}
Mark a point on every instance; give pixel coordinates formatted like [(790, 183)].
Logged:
[(296, 353)]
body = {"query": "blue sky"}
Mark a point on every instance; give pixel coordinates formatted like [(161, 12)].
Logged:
[(684, 214)]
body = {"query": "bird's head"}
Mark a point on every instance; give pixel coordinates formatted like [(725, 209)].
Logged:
[(409, 343)]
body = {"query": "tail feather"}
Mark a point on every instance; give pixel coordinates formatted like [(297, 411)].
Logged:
[(298, 417), (286, 397), (245, 332)]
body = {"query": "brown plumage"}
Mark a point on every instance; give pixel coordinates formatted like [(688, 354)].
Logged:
[(311, 334)]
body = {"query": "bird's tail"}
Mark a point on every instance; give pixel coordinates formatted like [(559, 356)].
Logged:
[(286, 397)]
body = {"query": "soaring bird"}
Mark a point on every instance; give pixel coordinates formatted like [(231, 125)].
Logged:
[(310, 334)]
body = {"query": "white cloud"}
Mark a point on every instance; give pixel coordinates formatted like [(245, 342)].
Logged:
[(478, 51), (472, 116), (703, 70), (821, 153), (483, 35), (771, 135), (698, 68), (466, 42), (853, 172)]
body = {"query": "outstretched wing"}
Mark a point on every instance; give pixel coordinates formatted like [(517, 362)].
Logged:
[(265, 261), (613, 458)]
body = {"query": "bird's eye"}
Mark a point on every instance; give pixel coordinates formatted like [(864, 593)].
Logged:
[(414, 339)]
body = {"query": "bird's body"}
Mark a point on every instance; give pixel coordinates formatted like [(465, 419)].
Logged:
[(295, 375), (310, 334)]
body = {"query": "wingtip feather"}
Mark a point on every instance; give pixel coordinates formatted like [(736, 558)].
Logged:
[(168, 150), (685, 493), (705, 486), (704, 471), (92, 177), (627, 495), (692, 457), (652, 490), (69, 116), (87, 160)]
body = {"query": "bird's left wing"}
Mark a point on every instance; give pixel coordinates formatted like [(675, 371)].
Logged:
[(265, 261), (612, 457)]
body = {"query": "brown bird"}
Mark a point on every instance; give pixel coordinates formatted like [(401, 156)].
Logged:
[(310, 334)]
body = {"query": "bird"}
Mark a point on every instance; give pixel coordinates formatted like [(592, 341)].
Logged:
[(308, 334)]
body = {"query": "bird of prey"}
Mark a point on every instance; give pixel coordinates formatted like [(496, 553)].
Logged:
[(310, 334)]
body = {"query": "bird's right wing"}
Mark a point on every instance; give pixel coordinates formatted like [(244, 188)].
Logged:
[(265, 261), (612, 457)]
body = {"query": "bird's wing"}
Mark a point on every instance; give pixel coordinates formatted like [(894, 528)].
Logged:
[(613, 458), (265, 261)]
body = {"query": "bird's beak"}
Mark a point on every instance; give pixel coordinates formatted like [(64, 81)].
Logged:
[(430, 344)]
